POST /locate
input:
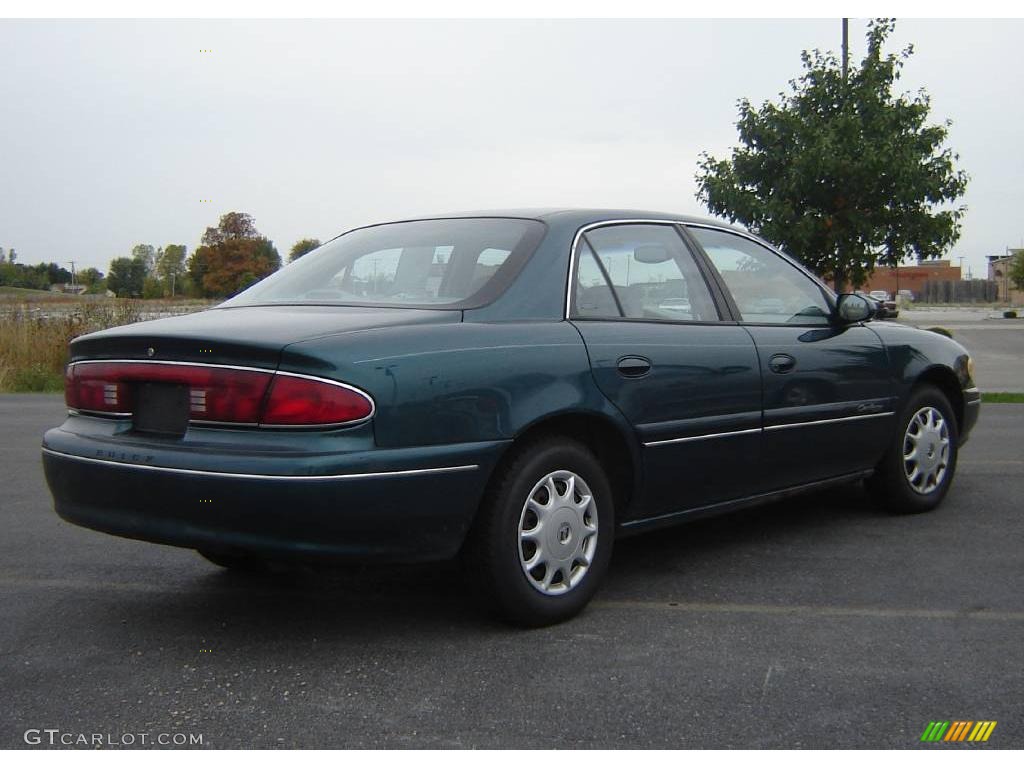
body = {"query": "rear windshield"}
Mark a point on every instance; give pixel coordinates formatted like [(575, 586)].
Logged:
[(454, 263)]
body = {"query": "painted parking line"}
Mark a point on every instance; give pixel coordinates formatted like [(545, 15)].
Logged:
[(811, 610), (982, 463), (642, 604)]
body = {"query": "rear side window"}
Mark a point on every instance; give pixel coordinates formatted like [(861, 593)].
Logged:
[(640, 271), (594, 297)]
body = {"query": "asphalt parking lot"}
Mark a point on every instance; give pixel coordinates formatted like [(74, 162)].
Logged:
[(819, 622), (995, 343)]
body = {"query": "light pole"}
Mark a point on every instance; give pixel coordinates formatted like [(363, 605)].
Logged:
[(846, 48)]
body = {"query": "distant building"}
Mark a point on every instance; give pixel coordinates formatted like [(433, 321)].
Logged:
[(999, 271), (910, 278)]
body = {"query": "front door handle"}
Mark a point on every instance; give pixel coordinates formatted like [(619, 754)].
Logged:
[(633, 367), (782, 363)]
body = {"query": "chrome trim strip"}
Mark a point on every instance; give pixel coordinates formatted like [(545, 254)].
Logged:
[(99, 414), (240, 475), (169, 362), (343, 385), (701, 437), (766, 429), (773, 427)]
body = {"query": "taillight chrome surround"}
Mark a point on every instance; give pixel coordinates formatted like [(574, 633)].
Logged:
[(197, 396)]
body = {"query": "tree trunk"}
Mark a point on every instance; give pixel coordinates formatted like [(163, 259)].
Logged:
[(839, 279)]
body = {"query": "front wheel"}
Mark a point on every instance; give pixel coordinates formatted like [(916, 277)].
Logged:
[(918, 468), (544, 534)]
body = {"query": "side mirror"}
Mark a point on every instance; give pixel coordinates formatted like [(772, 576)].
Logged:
[(853, 308)]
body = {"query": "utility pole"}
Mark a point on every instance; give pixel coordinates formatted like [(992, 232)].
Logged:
[(72, 273), (846, 48), (839, 273)]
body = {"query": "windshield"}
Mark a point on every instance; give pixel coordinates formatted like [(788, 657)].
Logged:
[(453, 263)]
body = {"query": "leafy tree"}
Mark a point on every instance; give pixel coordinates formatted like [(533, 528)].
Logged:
[(151, 288), (1017, 270), (302, 247), (232, 226), (24, 276), (55, 273), (170, 267), (126, 277), (146, 254), (842, 173), (12, 256), (91, 278), (233, 256), (196, 271)]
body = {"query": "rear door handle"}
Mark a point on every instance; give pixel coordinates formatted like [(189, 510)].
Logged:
[(633, 367), (782, 363)]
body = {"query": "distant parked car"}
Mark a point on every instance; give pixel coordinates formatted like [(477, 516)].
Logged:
[(680, 305), (517, 389), (887, 308)]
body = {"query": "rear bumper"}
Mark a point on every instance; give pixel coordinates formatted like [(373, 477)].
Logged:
[(399, 505)]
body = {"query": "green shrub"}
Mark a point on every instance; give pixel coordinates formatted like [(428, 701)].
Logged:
[(941, 331), (36, 378), (34, 340), (1010, 314)]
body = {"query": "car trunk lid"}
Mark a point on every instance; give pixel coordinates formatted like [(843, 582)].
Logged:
[(251, 336)]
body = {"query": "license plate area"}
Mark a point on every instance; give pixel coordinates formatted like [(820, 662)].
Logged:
[(161, 409)]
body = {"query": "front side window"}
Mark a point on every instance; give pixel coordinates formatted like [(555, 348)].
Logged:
[(454, 263), (765, 287), (640, 271)]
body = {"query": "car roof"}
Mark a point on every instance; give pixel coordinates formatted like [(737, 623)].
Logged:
[(579, 216)]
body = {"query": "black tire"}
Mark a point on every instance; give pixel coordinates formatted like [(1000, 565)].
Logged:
[(889, 486), (492, 551), (235, 562)]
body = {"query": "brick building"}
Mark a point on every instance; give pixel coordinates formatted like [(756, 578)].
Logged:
[(910, 278)]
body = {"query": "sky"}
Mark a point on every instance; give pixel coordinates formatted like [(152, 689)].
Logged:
[(122, 132)]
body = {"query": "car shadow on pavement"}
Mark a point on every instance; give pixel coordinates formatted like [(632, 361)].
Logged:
[(374, 601)]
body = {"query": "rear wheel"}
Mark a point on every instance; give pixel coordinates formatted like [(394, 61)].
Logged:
[(918, 468), (544, 534)]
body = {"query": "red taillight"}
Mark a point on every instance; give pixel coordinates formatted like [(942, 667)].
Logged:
[(298, 401), (218, 393)]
